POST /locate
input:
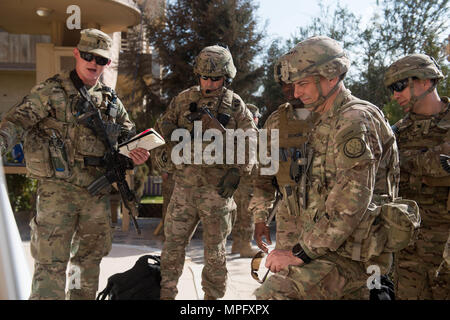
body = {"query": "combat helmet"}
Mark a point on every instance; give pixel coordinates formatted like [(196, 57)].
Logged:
[(413, 66), (215, 61), (416, 65), (316, 56), (254, 110), (277, 70), (287, 88)]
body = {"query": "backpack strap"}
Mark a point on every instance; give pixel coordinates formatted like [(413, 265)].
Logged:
[(104, 294)]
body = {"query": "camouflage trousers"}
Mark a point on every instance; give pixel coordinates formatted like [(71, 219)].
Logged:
[(416, 266), (167, 189), (243, 227), (329, 277), (70, 226), (190, 205)]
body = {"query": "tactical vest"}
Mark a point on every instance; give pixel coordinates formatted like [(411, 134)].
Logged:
[(294, 159), (57, 145), (420, 133), (223, 108)]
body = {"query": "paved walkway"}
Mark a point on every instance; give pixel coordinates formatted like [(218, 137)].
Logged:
[(128, 247)]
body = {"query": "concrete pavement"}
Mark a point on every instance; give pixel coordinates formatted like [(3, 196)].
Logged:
[(128, 247)]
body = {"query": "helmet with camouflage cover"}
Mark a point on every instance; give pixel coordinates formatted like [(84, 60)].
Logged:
[(215, 61), (277, 70), (416, 65), (315, 56), (412, 66), (318, 56), (254, 110), (287, 88)]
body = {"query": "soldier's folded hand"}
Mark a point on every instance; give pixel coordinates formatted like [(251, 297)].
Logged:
[(229, 183)]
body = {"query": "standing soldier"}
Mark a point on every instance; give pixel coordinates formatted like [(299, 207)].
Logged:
[(70, 223), (243, 226), (203, 192), (422, 137), (341, 176)]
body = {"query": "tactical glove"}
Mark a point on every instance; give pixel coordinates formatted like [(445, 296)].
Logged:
[(229, 183)]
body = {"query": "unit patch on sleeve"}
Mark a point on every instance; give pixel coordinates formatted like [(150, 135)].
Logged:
[(354, 148)]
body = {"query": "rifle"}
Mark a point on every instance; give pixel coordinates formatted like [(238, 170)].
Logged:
[(207, 118), (116, 164)]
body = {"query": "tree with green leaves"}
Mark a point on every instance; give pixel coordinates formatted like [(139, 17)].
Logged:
[(272, 96), (402, 27), (397, 28), (191, 25)]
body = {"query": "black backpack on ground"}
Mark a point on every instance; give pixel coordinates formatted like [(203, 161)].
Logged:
[(142, 282), (386, 291)]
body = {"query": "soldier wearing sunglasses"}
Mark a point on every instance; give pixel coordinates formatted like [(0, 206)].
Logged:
[(71, 227), (203, 192), (423, 141)]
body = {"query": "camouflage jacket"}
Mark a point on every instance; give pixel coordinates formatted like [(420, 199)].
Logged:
[(354, 157), (48, 114), (420, 139), (175, 117)]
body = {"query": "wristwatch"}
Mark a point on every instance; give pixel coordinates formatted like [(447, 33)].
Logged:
[(298, 251)]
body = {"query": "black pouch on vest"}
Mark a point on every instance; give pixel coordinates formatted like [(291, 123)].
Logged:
[(223, 118)]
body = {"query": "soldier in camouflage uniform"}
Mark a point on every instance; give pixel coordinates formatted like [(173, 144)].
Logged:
[(294, 116), (70, 224), (422, 136), (203, 192), (339, 161), (243, 226)]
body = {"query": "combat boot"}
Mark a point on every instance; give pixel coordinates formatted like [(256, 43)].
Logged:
[(236, 247), (244, 248), (247, 251)]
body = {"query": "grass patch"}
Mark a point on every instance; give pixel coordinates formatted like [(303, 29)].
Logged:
[(152, 200)]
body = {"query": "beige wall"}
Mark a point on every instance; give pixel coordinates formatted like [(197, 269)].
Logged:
[(110, 74), (19, 48), (14, 85), (50, 60)]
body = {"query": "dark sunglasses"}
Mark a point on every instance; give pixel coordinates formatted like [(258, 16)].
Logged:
[(399, 86), (212, 78), (101, 61)]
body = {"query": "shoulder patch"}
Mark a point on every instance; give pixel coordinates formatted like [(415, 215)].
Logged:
[(354, 147)]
